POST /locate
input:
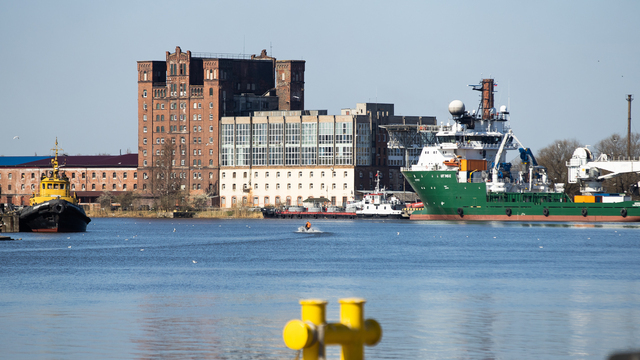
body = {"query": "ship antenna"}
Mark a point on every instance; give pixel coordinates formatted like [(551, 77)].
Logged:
[(54, 161)]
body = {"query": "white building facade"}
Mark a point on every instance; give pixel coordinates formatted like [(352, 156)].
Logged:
[(281, 158)]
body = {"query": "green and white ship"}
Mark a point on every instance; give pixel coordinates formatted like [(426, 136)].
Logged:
[(464, 175)]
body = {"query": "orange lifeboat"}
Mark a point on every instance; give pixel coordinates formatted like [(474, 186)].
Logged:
[(452, 162)]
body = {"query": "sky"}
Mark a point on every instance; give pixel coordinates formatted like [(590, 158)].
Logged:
[(564, 68)]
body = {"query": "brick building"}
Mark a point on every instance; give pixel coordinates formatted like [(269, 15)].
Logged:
[(89, 176), (182, 99)]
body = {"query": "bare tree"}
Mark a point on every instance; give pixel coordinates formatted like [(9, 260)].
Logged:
[(554, 157), (127, 200), (199, 201), (166, 185), (105, 200)]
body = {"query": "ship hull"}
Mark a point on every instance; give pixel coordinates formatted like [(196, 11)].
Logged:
[(54, 216), (446, 199)]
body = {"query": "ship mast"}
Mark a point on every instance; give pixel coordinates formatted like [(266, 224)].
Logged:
[(629, 99)]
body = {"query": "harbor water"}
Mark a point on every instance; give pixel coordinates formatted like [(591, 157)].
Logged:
[(224, 289)]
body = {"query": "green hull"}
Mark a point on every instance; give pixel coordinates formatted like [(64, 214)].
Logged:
[(445, 198)]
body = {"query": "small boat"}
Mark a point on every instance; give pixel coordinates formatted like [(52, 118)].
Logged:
[(53, 208), (378, 204)]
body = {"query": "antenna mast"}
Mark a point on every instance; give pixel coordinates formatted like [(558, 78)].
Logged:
[(629, 99)]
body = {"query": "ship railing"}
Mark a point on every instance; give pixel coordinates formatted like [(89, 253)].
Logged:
[(434, 128), (621, 158), (476, 181)]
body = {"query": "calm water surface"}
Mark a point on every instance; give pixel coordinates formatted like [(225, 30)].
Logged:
[(224, 289)]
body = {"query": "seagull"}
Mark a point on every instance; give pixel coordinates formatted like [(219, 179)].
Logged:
[(174, 229), (195, 262), (16, 137), (141, 249)]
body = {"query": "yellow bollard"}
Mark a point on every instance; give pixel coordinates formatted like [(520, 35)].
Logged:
[(303, 334), (312, 333)]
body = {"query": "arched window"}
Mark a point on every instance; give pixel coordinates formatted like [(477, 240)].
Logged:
[(266, 200), (211, 94), (233, 201), (104, 186), (299, 200), (277, 200), (93, 186), (288, 201), (114, 174)]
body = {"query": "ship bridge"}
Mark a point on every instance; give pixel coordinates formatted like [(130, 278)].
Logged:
[(410, 139)]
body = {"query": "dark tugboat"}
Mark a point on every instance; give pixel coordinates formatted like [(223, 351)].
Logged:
[(53, 208)]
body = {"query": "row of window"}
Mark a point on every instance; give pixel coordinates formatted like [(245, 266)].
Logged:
[(173, 105), (267, 201), (266, 186), (196, 140), (83, 187), (73, 175), (182, 175), (266, 174)]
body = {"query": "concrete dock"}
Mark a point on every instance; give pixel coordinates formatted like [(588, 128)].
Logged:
[(9, 223)]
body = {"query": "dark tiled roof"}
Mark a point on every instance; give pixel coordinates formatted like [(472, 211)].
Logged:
[(126, 160)]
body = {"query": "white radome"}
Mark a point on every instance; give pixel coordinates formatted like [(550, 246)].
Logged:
[(456, 107)]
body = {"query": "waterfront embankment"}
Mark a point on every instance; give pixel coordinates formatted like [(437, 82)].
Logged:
[(208, 214)]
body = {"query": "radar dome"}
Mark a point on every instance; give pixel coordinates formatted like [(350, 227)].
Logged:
[(503, 109), (456, 108)]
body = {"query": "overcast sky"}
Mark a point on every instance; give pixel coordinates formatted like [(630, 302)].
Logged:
[(68, 69)]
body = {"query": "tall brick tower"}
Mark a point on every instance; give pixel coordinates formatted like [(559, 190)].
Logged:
[(181, 101), (290, 84)]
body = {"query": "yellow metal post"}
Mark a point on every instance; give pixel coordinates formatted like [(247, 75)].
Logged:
[(351, 315), (312, 333), (303, 334)]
